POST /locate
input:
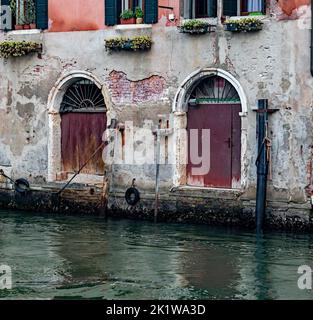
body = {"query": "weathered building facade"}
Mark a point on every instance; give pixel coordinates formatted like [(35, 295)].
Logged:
[(185, 81)]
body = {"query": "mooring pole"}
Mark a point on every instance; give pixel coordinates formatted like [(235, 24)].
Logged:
[(261, 163), (157, 172)]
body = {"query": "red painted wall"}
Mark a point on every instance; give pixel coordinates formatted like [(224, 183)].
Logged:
[(165, 12), (76, 15), (81, 15)]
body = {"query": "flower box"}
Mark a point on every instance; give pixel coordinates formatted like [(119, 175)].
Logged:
[(233, 27), (139, 43), (195, 27), (19, 48), (244, 25)]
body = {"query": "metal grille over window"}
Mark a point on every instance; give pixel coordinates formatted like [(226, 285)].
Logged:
[(214, 90), (83, 96)]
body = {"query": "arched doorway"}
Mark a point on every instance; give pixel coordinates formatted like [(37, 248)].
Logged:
[(83, 121), (213, 109), (59, 106)]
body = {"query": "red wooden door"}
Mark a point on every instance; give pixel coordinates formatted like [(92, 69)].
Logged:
[(224, 124), (81, 136)]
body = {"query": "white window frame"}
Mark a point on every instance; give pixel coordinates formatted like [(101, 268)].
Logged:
[(125, 5)]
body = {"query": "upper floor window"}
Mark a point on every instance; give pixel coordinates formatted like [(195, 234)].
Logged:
[(114, 8), (24, 12), (208, 8), (28, 14), (200, 8), (243, 7)]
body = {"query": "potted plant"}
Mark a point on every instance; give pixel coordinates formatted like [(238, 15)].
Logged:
[(31, 14), (245, 25), (138, 43), (139, 15), (128, 17), (194, 27), (18, 48)]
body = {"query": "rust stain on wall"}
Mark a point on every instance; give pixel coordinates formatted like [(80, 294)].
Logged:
[(124, 90)]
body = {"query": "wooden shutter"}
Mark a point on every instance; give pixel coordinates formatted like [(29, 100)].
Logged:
[(42, 14), (111, 12), (230, 8), (151, 11), (4, 3)]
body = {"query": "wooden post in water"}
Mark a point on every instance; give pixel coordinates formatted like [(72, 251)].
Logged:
[(261, 163), (157, 171)]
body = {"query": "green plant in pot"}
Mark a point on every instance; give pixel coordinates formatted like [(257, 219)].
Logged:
[(139, 15), (30, 16), (128, 17)]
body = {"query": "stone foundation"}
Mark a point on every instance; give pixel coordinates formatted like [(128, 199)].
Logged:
[(211, 207)]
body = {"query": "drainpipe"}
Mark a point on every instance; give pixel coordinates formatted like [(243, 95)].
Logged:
[(311, 39), (261, 163)]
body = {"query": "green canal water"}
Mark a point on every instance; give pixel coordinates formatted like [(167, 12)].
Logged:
[(85, 257)]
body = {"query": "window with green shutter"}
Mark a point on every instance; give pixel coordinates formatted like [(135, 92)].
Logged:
[(28, 14), (113, 9)]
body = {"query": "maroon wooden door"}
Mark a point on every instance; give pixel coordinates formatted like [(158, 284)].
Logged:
[(81, 136), (224, 123)]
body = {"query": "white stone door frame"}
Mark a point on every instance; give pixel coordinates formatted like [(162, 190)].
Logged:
[(180, 109), (54, 118)]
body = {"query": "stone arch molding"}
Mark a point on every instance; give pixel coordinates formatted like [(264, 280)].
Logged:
[(180, 110), (54, 119)]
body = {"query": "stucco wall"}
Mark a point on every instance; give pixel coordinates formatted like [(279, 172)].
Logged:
[(273, 64)]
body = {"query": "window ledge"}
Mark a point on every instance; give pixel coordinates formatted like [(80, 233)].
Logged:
[(24, 31), (132, 26)]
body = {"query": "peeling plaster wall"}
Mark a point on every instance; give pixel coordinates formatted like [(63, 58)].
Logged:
[(273, 63)]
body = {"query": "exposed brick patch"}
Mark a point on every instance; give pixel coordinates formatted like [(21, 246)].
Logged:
[(124, 90)]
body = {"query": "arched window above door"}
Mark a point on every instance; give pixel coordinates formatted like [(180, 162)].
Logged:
[(83, 96), (214, 89)]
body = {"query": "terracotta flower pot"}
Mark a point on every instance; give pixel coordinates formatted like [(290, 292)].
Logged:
[(139, 20), (18, 27), (26, 26), (128, 21), (33, 26)]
